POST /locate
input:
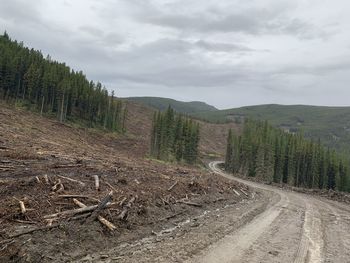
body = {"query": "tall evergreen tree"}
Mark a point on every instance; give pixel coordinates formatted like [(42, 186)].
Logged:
[(49, 87), (174, 137), (272, 155)]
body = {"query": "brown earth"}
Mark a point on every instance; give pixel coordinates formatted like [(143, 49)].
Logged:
[(32, 146), (212, 136)]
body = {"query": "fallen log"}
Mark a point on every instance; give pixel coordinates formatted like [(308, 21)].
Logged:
[(78, 196), (243, 191), (100, 206), (171, 187), (22, 206), (97, 182), (34, 230), (66, 165), (238, 194), (189, 203), (127, 207), (72, 180), (76, 211), (102, 220)]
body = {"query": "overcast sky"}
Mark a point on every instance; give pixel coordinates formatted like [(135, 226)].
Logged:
[(227, 53)]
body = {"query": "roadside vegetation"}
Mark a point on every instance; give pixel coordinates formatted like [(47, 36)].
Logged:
[(330, 124), (174, 137), (273, 155)]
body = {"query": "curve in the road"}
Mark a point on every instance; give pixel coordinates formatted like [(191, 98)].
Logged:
[(233, 247)]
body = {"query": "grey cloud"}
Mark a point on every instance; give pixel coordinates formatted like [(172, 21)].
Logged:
[(222, 47), (250, 21), (22, 13), (143, 48)]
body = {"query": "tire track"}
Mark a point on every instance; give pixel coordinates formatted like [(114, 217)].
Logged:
[(311, 243)]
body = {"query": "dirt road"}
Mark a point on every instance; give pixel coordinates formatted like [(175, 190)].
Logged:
[(273, 226), (298, 228)]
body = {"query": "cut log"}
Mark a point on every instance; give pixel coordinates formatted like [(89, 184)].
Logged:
[(189, 203), (79, 196), (100, 206), (171, 187), (72, 180), (124, 213), (66, 165), (102, 220), (76, 211), (22, 206), (238, 194), (34, 230), (243, 191), (97, 182)]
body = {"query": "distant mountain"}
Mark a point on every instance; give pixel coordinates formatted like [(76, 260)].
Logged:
[(161, 104), (330, 124)]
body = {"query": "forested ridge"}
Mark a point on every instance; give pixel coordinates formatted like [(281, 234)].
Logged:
[(174, 137), (50, 87), (272, 155)]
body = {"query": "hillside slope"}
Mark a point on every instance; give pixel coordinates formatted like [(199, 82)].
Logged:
[(179, 106), (330, 124), (212, 136), (37, 154)]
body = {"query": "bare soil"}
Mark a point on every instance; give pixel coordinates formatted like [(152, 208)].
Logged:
[(32, 147)]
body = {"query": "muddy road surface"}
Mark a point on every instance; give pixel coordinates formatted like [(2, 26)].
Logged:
[(275, 226)]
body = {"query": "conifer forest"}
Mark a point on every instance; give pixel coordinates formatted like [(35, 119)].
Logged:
[(174, 137), (272, 155), (46, 86)]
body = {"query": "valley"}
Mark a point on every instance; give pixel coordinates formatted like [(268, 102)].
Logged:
[(87, 176)]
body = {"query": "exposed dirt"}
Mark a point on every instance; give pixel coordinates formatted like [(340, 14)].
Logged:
[(32, 147), (204, 217), (212, 140), (304, 229)]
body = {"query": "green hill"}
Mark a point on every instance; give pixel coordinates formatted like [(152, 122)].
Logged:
[(162, 104), (330, 124)]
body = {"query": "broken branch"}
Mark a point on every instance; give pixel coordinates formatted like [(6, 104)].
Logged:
[(171, 187), (100, 206), (102, 220), (123, 215), (97, 182), (72, 180)]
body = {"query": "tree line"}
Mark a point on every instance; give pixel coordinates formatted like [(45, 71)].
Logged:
[(50, 87), (272, 155), (174, 137)]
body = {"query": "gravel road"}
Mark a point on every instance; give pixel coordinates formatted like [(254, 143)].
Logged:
[(275, 225)]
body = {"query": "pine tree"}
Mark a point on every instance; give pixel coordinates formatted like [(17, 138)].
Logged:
[(269, 154), (49, 87)]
